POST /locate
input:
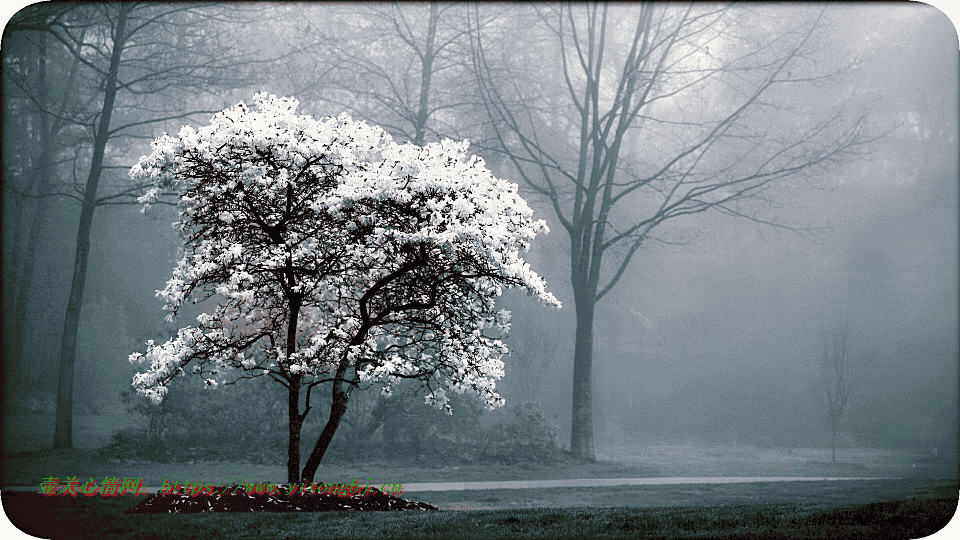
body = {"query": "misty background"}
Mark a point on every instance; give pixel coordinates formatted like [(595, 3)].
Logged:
[(713, 335)]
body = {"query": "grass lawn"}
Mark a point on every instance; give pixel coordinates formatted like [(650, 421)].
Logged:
[(914, 505), (33, 468), (99, 517), (691, 495)]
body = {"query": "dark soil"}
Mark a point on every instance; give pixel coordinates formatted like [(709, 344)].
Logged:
[(184, 502)]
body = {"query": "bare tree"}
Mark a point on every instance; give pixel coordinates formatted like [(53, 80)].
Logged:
[(30, 142), (840, 370), (627, 117), (399, 66), (140, 64)]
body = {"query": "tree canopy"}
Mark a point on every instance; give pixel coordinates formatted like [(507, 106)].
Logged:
[(329, 253), (642, 125)]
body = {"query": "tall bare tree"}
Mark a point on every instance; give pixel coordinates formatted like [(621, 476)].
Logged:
[(840, 370), (626, 117), (141, 64), (40, 92), (401, 66)]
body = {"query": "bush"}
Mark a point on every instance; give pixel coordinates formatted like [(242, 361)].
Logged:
[(403, 428), (527, 437), (246, 421), (36, 402)]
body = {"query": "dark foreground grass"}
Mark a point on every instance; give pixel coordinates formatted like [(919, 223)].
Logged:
[(687, 495), (100, 517)]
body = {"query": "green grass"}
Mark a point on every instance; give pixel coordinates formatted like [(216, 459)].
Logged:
[(688, 495), (886, 508), (33, 468), (99, 517), (906, 507)]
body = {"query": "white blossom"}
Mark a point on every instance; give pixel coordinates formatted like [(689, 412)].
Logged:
[(347, 179)]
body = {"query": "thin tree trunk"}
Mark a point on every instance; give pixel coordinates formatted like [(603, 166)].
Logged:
[(377, 416), (337, 409), (16, 212), (63, 433), (834, 447), (344, 385), (44, 164), (42, 184), (426, 74)]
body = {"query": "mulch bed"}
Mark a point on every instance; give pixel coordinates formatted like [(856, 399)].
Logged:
[(184, 502)]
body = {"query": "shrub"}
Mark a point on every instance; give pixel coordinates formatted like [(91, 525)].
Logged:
[(242, 422), (403, 428), (32, 402), (248, 422), (526, 437)]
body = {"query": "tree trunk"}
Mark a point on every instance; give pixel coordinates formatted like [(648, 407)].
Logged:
[(43, 167), (293, 399), (426, 74), (341, 393), (337, 409), (296, 423), (834, 446), (63, 433), (581, 432)]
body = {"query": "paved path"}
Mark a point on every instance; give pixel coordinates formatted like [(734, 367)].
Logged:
[(596, 482), (586, 482)]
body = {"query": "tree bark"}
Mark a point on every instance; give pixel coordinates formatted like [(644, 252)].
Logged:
[(42, 183), (63, 433), (581, 433), (338, 408), (296, 423), (341, 395), (293, 401), (426, 75)]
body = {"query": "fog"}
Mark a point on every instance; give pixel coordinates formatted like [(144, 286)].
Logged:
[(712, 338)]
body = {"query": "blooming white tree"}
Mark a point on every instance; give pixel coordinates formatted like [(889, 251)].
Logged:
[(331, 254)]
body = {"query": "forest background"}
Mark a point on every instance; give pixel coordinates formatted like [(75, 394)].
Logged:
[(715, 337)]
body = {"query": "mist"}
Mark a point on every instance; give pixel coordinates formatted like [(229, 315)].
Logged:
[(711, 342)]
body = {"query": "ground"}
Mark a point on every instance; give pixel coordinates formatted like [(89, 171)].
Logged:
[(919, 487)]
